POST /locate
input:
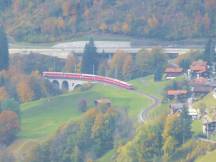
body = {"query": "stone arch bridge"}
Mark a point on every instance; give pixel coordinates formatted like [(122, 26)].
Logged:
[(69, 81)]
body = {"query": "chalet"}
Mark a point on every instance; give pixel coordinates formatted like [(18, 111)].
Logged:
[(194, 114), (201, 90), (176, 107), (214, 93), (199, 69), (103, 101), (200, 86), (173, 72), (199, 81), (177, 93), (209, 127)]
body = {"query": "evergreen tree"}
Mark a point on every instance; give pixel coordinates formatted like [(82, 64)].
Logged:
[(209, 54), (186, 122), (90, 58), (4, 54), (158, 63)]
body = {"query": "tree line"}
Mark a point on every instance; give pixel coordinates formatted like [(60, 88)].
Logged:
[(123, 65), (97, 132), (64, 19)]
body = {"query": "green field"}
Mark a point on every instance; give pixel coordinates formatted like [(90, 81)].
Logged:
[(197, 127), (209, 157), (42, 118), (149, 86), (208, 102)]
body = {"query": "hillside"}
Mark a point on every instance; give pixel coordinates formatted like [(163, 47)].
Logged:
[(51, 20), (210, 157), (208, 103), (49, 115), (41, 119)]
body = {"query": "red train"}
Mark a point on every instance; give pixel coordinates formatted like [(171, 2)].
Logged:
[(89, 77)]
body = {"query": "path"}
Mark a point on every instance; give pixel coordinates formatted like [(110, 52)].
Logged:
[(145, 112), (155, 103)]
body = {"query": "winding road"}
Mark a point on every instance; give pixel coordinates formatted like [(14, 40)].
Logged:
[(155, 103)]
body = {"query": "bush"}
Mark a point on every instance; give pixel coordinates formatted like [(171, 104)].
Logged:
[(9, 127), (82, 106), (11, 105)]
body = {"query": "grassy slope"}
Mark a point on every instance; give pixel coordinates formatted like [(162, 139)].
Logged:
[(148, 86), (210, 157), (42, 118), (210, 103)]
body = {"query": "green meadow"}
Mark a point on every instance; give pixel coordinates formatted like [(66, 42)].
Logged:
[(42, 118)]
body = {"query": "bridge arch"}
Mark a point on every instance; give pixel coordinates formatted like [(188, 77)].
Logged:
[(76, 86), (65, 85), (56, 84)]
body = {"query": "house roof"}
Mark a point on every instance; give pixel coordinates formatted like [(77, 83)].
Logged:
[(103, 100), (173, 70), (199, 66), (176, 92), (199, 63)]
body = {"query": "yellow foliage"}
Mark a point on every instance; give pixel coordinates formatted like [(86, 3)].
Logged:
[(152, 22), (125, 28), (24, 91), (103, 27), (3, 94)]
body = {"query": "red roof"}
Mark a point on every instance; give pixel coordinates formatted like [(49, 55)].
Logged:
[(176, 92), (199, 63), (173, 70), (199, 66)]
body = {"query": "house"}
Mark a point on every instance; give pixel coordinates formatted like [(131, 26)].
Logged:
[(200, 86), (176, 107), (209, 127), (198, 69), (177, 93), (194, 114), (214, 93), (103, 101), (173, 72), (201, 90), (199, 81)]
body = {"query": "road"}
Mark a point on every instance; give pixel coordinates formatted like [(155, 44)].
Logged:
[(63, 52), (155, 103)]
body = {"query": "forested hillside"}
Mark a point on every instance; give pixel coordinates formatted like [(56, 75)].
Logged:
[(51, 20)]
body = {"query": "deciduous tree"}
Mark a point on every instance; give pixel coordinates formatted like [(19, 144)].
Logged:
[(24, 91), (9, 126)]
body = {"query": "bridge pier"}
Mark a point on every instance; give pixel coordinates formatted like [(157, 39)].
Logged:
[(67, 84)]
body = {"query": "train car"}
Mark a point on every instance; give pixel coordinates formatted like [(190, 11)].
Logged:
[(89, 77)]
